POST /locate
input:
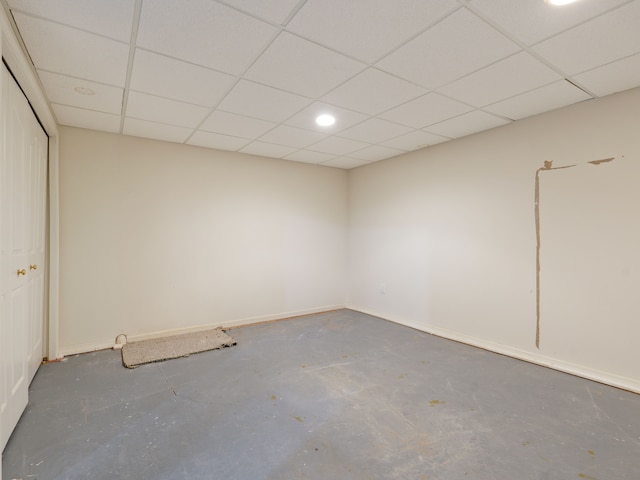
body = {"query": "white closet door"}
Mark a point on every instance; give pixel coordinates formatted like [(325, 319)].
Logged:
[(23, 170)]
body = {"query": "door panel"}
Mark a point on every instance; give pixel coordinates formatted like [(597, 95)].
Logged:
[(23, 174)]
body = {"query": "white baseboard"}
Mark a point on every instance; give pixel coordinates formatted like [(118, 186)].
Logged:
[(625, 383), (86, 348)]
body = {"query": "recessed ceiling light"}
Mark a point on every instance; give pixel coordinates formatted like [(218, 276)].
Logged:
[(84, 91), (559, 2), (325, 120)]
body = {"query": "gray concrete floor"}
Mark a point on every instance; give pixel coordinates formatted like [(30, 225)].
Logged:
[(339, 395)]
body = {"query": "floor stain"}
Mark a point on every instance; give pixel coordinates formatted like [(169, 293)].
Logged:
[(298, 419), (401, 376), (433, 403), (591, 452), (587, 477), (273, 397)]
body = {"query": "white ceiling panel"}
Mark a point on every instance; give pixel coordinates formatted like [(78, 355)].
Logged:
[(375, 130), (275, 11), (162, 110), (62, 89), (602, 40), (613, 77), (466, 124), (215, 140), (157, 131), (372, 92), (203, 32), (259, 101), (236, 125), (414, 140), (426, 110), (506, 78), (166, 77), (292, 137), (307, 156), (112, 19), (532, 21), (307, 118), (254, 75), (345, 162), (375, 153), (458, 45), (549, 97), (337, 146), (72, 52), (267, 149), (299, 66), (78, 117), (339, 24)]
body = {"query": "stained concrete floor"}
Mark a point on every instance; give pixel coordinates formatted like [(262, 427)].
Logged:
[(339, 395)]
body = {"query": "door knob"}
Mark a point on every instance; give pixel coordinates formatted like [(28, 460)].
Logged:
[(33, 267), (22, 272)]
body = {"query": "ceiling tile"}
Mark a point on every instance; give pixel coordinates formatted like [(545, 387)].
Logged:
[(506, 78), (458, 45), (366, 29), (414, 140), (61, 89), (73, 52), (259, 101), (602, 40), (533, 21), (423, 111), (165, 77), (337, 146), (307, 118), (372, 92), (375, 152), (345, 162), (375, 130), (550, 97), (162, 110), (267, 149), (236, 125), (613, 77), (78, 117), (299, 66), (204, 32), (466, 124), (158, 131), (112, 19), (215, 140), (275, 11), (308, 156), (291, 136)]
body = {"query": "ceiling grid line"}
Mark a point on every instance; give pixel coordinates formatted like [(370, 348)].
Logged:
[(132, 52)]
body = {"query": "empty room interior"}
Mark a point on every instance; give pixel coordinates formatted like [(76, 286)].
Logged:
[(416, 221)]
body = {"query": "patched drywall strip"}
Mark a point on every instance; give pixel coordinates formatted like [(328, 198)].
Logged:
[(547, 166)]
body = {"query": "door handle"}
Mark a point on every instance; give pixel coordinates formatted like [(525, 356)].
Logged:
[(22, 272), (33, 267)]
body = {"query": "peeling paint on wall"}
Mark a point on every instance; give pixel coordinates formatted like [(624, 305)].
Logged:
[(547, 166)]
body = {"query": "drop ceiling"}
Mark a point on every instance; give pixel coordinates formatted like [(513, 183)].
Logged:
[(252, 75)]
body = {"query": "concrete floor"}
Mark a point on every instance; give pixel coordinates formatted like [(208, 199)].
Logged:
[(339, 395)]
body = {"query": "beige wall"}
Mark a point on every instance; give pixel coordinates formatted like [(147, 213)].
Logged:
[(448, 234), (158, 236)]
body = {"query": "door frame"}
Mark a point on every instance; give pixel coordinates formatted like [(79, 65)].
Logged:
[(13, 52)]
